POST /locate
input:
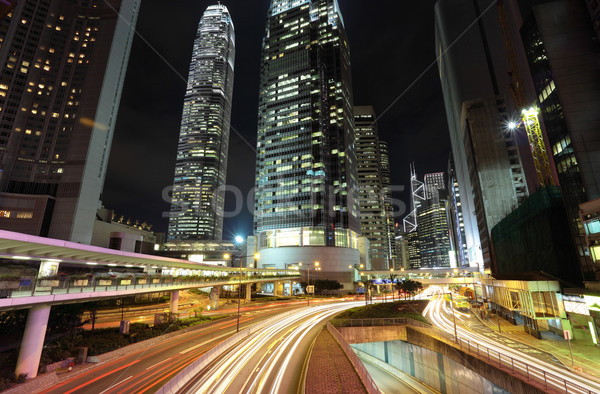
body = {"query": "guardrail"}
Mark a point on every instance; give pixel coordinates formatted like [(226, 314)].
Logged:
[(386, 321), (364, 375), (26, 287), (530, 373)]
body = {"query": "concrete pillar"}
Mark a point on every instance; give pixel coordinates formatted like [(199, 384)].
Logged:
[(214, 297), (174, 308), (48, 267), (275, 288), (33, 341), (248, 291), (291, 288)]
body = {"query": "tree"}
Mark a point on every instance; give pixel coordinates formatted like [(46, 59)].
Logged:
[(409, 287)]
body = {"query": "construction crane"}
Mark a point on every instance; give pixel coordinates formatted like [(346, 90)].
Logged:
[(529, 115)]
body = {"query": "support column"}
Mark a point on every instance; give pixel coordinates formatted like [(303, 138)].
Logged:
[(291, 288), (248, 292), (174, 307), (33, 341), (275, 288), (214, 297)]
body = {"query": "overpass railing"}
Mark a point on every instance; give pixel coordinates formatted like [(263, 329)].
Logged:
[(27, 287), (377, 322)]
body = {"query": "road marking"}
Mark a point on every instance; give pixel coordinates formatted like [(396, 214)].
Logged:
[(116, 384), (202, 344), (158, 363), (101, 376)]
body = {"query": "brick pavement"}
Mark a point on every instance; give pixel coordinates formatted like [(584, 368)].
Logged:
[(330, 370)]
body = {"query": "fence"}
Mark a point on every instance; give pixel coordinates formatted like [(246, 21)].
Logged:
[(533, 374)]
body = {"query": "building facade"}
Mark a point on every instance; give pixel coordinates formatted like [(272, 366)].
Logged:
[(476, 89), (386, 182), (63, 67), (455, 218), (434, 233), (199, 183), (306, 179), (374, 187), (563, 52)]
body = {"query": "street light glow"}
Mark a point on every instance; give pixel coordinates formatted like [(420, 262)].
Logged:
[(512, 125), (239, 239)]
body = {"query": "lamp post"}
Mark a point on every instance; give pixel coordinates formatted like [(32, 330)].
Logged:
[(256, 256), (317, 268)]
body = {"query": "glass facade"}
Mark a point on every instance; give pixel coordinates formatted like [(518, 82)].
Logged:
[(63, 66), (306, 155), (564, 153), (198, 187), (373, 218)]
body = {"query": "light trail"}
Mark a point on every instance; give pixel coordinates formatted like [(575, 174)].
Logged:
[(559, 379), (260, 363)]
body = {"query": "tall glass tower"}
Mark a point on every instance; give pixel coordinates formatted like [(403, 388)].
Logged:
[(306, 179), (198, 186)]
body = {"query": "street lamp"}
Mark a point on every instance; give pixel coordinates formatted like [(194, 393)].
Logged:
[(256, 256), (317, 268)]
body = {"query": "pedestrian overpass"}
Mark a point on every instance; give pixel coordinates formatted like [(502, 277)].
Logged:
[(466, 276), (40, 290)]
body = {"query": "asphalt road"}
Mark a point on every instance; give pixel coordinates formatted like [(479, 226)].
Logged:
[(148, 369), (540, 367), (271, 360)]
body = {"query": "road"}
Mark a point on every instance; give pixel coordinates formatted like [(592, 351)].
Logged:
[(271, 360), (148, 369), (524, 359)]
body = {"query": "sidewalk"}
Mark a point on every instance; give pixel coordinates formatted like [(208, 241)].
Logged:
[(329, 370), (586, 357)]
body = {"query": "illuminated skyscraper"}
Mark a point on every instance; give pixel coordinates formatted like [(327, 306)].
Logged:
[(386, 183), (306, 182), (373, 218), (63, 65), (434, 238), (200, 170)]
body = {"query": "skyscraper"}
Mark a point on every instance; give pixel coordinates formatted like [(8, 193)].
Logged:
[(563, 52), (306, 202), (434, 239), (433, 183), (198, 186), (373, 215), (386, 183), (63, 66), (455, 217), (473, 73)]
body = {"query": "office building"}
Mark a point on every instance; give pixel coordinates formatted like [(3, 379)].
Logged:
[(476, 89), (434, 239), (455, 219), (373, 215), (63, 67), (563, 52), (199, 182), (386, 182), (306, 201)]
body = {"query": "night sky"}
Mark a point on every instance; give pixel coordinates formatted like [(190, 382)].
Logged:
[(391, 44)]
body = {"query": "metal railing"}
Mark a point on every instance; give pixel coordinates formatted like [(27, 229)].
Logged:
[(533, 374), (76, 284), (358, 365), (530, 373), (376, 322)]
